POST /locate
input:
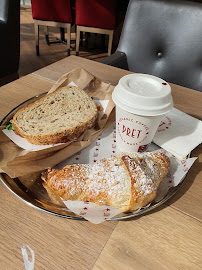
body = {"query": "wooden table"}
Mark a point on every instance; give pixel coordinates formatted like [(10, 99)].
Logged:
[(168, 238)]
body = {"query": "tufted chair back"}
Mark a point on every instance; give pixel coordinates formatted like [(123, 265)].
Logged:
[(164, 38)]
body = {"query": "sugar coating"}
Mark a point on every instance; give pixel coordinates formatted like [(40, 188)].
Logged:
[(108, 176)]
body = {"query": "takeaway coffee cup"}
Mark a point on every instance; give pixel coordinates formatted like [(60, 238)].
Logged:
[(141, 101)]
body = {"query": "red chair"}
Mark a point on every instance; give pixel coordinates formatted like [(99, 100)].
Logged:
[(56, 13), (95, 16)]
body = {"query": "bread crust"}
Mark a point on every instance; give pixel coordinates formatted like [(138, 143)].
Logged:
[(57, 137)]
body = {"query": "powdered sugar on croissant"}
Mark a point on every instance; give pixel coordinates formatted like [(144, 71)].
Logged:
[(127, 181)]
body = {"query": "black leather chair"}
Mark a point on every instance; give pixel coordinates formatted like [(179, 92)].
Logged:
[(10, 40), (162, 38)]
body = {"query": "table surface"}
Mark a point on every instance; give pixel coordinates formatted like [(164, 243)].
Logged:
[(168, 238)]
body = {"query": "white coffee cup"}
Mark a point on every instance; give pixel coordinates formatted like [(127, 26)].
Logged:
[(141, 101)]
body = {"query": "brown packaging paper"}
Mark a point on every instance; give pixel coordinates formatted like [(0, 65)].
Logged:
[(16, 161)]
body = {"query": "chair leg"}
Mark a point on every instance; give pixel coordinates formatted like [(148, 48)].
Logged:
[(68, 39), (46, 34), (77, 40), (81, 38), (110, 42), (62, 34), (36, 30)]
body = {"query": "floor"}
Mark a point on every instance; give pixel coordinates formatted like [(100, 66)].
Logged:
[(49, 54)]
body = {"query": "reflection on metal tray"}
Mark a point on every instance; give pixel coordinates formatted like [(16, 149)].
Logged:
[(30, 188)]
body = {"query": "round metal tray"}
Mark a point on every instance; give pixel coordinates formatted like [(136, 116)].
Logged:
[(29, 188)]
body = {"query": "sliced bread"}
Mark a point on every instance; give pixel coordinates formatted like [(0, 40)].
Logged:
[(60, 116)]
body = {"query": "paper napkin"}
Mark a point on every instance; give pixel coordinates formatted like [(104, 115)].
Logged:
[(179, 133), (23, 143), (92, 212)]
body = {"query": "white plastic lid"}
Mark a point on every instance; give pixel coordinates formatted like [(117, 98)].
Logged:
[(143, 94)]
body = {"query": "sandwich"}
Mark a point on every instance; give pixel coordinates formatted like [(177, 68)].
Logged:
[(58, 117)]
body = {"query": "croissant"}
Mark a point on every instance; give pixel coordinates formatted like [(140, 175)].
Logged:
[(127, 181)]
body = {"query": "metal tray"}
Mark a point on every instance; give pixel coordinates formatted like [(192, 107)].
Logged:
[(29, 188)]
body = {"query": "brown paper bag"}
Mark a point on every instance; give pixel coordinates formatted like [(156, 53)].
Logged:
[(16, 161)]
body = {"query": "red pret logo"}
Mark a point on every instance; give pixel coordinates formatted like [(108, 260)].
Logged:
[(143, 147), (165, 124), (132, 132)]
